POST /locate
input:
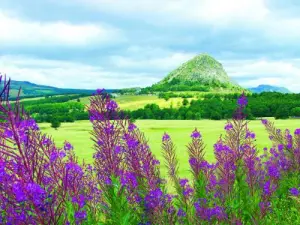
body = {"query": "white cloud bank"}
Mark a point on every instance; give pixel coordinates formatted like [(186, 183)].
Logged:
[(33, 33), (199, 11), (262, 71), (66, 74)]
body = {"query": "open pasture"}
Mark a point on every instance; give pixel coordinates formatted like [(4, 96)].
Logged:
[(79, 132)]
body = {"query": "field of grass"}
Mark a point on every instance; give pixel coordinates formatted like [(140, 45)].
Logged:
[(132, 102), (78, 134)]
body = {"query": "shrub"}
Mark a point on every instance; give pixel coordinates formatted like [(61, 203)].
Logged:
[(55, 123), (41, 183), (185, 102)]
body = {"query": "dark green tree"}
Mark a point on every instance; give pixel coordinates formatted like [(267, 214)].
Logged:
[(282, 113), (295, 112), (55, 123), (185, 102)]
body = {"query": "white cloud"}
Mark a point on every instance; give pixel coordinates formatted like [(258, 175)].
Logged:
[(283, 29), (165, 63), (262, 71), (69, 74), (256, 15), (199, 11), (25, 32)]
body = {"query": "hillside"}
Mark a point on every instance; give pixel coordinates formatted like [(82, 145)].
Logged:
[(201, 73), (29, 89), (269, 88)]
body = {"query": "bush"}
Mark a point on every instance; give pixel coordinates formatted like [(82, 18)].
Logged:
[(185, 102), (55, 123), (42, 183)]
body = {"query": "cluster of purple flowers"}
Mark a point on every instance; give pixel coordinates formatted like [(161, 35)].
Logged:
[(41, 183)]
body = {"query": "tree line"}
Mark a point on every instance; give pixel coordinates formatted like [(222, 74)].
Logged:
[(216, 107), (209, 106)]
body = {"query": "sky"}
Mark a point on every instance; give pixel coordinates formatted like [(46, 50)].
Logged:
[(135, 43)]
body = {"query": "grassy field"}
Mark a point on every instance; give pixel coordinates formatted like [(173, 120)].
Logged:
[(132, 102), (78, 134)]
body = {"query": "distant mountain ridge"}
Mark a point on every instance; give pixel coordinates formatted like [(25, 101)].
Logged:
[(269, 88), (30, 89), (202, 73)]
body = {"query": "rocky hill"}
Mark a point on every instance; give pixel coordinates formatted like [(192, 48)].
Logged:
[(201, 73)]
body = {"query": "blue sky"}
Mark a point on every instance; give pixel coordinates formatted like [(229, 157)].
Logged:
[(128, 43)]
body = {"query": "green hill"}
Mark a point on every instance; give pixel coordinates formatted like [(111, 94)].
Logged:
[(29, 89), (202, 73)]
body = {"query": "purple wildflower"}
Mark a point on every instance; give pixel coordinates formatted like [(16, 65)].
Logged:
[(8, 133), (68, 146), (80, 215), (268, 188), (19, 193), (280, 147), (294, 192), (264, 121), (193, 162), (131, 141), (271, 137), (242, 101), (109, 129), (99, 91), (155, 162), (108, 181), (273, 171), (196, 134), (166, 137), (53, 156), (188, 191), (46, 141), (111, 105), (119, 149), (154, 199), (80, 200), (228, 126), (297, 131), (100, 142), (129, 179), (62, 154), (181, 213), (131, 127), (183, 182), (250, 135)]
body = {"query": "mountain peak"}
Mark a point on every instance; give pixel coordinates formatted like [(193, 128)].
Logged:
[(204, 57), (202, 69), (269, 88), (201, 73)]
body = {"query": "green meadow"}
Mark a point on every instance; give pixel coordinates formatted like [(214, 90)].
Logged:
[(133, 102), (78, 133)]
